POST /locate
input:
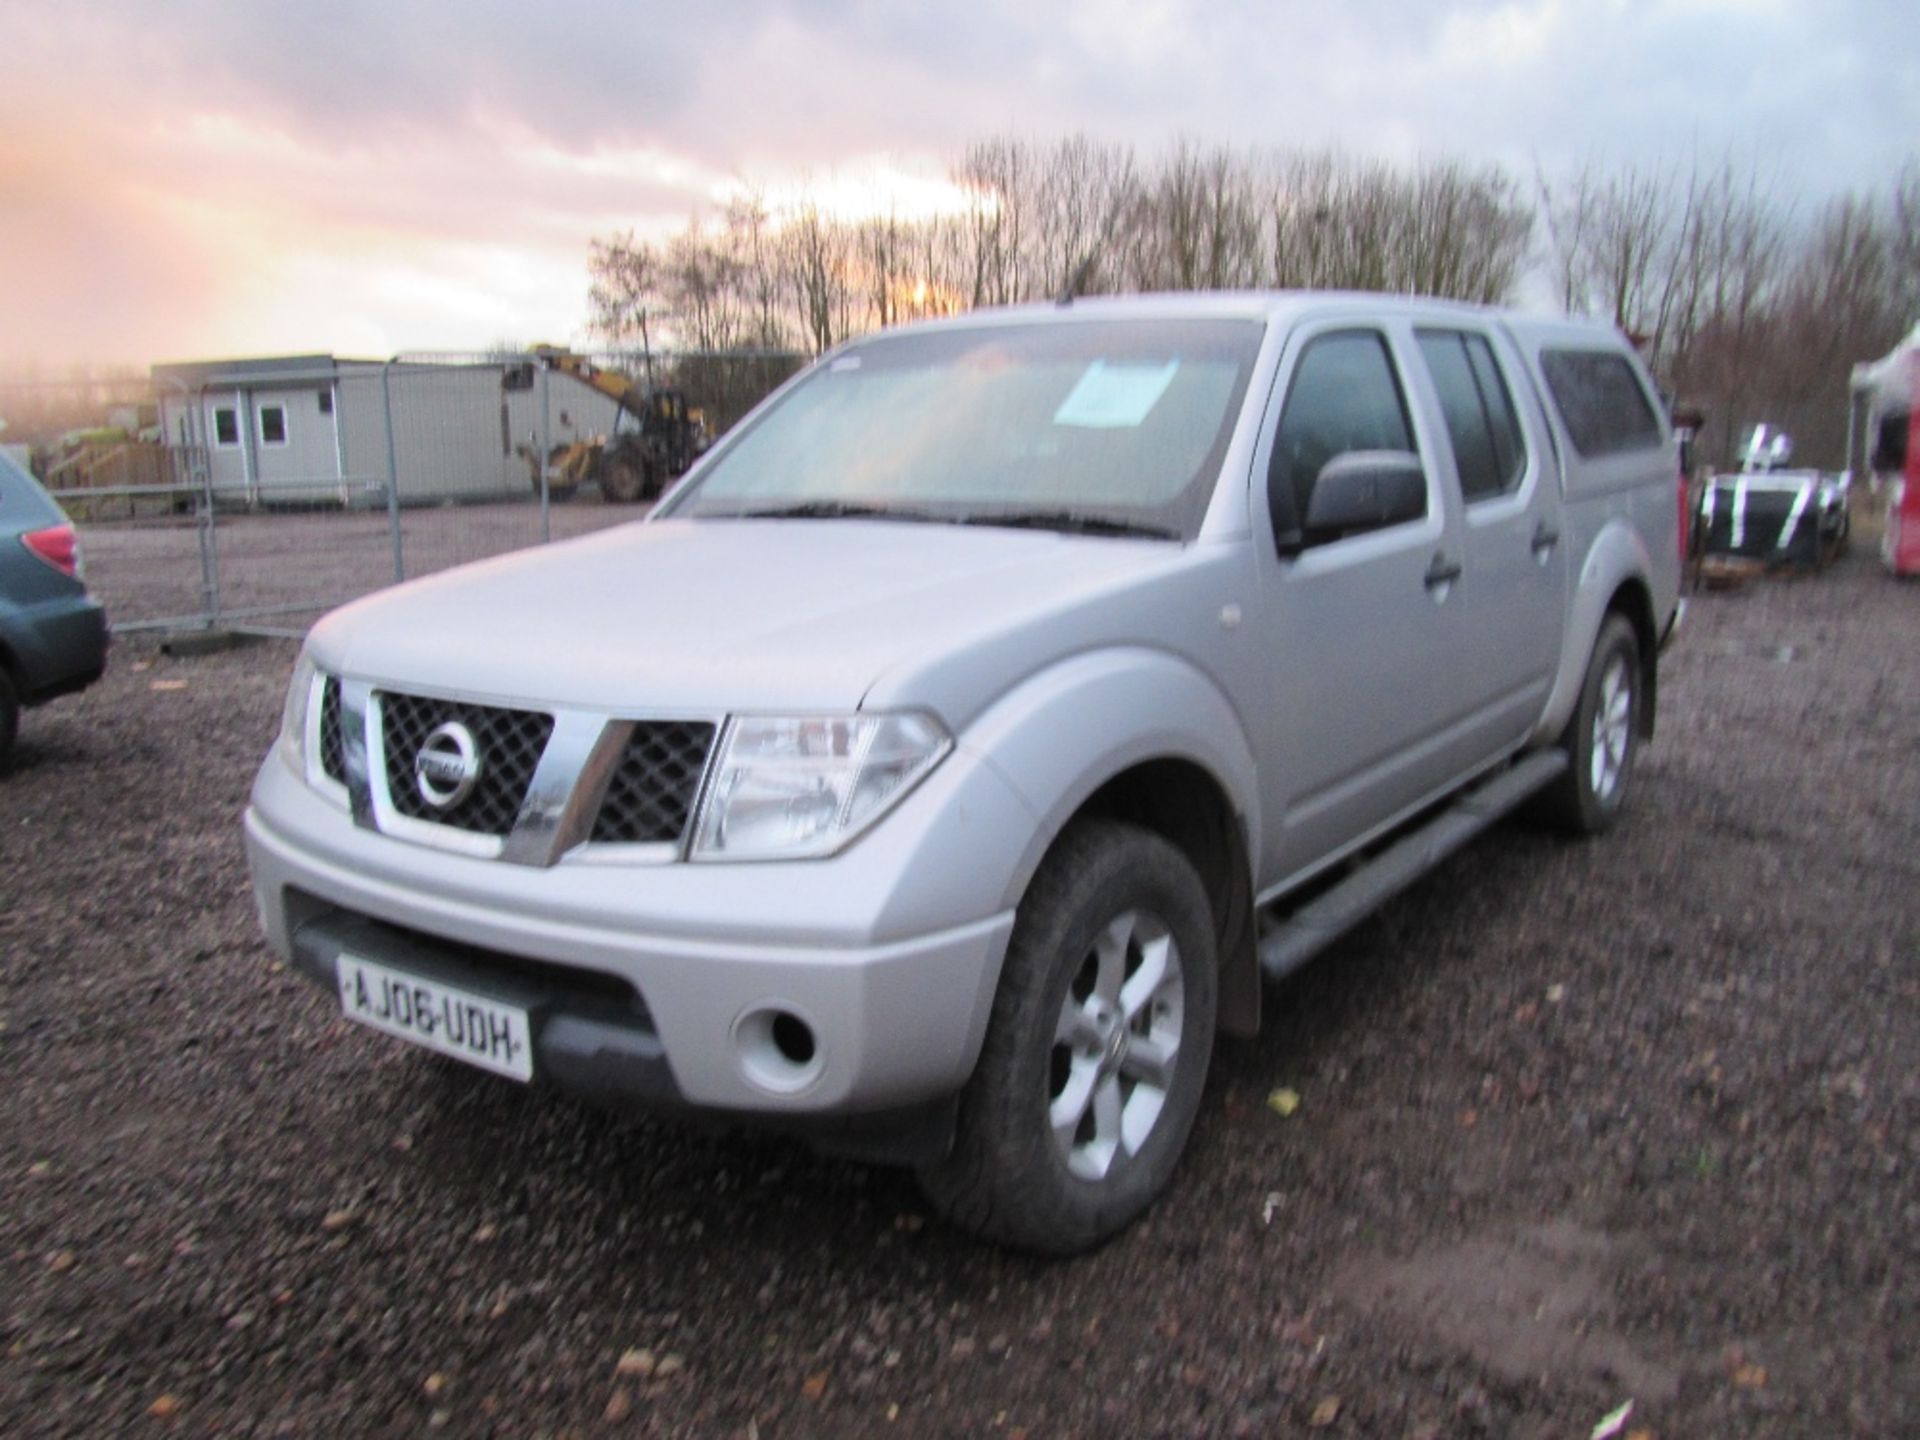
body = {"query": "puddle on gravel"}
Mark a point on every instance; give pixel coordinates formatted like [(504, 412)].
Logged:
[(1531, 1308)]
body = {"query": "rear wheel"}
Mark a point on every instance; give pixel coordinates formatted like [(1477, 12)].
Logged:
[(1603, 738), (1096, 1051)]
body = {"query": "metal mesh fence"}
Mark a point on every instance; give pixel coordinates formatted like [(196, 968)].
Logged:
[(257, 494), (91, 443)]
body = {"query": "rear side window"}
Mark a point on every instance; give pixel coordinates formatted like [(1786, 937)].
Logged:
[(1487, 447), (1345, 396), (1600, 401)]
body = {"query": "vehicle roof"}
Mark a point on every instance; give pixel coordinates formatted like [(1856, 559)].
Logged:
[(1267, 306)]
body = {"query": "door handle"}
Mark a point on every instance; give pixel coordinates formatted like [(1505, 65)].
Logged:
[(1545, 537), (1442, 572)]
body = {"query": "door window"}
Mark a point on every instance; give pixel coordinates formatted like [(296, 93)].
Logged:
[(1488, 451), (1345, 396)]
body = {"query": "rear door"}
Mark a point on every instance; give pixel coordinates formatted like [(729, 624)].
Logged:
[(1496, 459)]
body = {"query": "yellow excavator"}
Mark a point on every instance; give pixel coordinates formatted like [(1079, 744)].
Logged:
[(656, 436)]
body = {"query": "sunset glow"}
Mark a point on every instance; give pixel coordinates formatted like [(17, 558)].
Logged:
[(873, 190), (251, 176)]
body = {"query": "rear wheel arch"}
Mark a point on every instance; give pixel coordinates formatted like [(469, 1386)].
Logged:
[(1634, 602)]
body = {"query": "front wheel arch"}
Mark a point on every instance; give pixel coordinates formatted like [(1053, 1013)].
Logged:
[(1186, 805)]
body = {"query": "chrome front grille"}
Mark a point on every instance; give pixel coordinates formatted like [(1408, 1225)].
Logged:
[(333, 754), (508, 744), (500, 782), (651, 794)]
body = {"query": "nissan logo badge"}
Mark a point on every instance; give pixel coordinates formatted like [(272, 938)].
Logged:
[(447, 766)]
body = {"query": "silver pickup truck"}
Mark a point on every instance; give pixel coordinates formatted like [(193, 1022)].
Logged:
[(958, 746)]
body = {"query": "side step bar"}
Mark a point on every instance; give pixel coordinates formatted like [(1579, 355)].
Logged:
[(1288, 944)]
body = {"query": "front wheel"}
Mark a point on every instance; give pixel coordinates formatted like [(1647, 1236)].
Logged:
[(1096, 1051), (1602, 739), (623, 479)]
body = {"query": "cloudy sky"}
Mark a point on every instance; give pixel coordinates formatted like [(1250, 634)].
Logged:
[(187, 178)]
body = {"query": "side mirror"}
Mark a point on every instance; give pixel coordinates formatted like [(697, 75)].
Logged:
[(1365, 490)]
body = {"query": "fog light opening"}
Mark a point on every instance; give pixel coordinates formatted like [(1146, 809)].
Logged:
[(793, 1038), (779, 1051)]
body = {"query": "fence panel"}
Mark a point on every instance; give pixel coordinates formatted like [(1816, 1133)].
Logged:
[(259, 494), (94, 444), (292, 531)]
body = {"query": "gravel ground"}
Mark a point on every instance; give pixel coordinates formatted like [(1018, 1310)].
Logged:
[(1578, 1124)]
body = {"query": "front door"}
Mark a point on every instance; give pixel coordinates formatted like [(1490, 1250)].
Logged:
[(1361, 632)]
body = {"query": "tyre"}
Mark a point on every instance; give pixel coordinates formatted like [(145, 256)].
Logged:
[(1603, 738), (623, 480), (1096, 1050), (9, 718)]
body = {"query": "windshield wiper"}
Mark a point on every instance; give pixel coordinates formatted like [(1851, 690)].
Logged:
[(823, 510), (1077, 522)]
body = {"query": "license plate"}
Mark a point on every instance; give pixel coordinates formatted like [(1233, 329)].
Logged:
[(455, 1022)]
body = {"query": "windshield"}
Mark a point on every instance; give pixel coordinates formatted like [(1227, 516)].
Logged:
[(1112, 426)]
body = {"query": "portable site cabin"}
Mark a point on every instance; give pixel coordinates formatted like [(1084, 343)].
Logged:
[(304, 430), (1885, 397)]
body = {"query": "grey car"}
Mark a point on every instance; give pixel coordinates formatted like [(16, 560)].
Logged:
[(53, 634)]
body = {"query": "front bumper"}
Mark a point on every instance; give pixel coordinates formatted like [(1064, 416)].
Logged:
[(708, 952)]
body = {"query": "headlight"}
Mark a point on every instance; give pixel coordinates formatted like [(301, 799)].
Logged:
[(293, 718), (805, 785)]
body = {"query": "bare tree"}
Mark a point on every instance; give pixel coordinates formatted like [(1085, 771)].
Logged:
[(1739, 309), (702, 279), (815, 263), (1467, 234), (1904, 208), (624, 290), (750, 231), (996, 173), (885, 256), (1081, 194)]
